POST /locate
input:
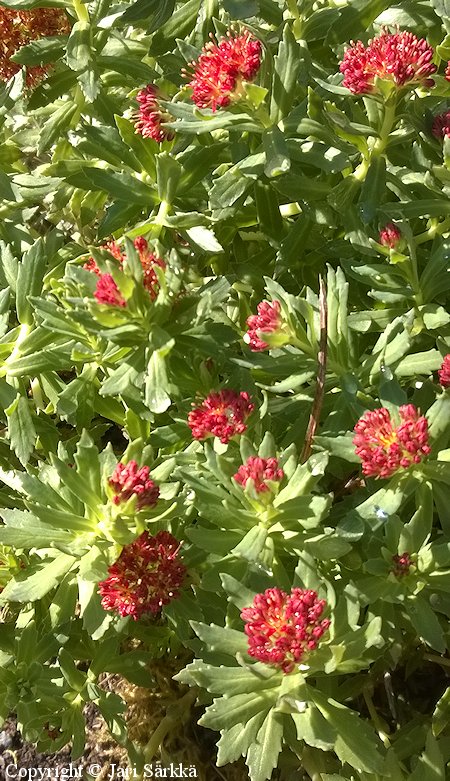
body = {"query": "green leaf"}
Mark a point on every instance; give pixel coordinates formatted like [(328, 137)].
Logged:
[(356, 742), (122, 186), (431, 764), (54, 127), (205, 239), (262, 755), (41, 52), (372, 190), (78, 52), (155, 13), (145, 149), (222, 639), (235, 741), (29, 280), (426, 623), (277, 154), (441, 714), (178, 25), (37, 580), (285, 69), (21, 431)]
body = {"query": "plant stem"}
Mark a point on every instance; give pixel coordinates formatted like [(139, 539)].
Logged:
[(437, 659), (320, 382), (81, 11), (172, 719), (379, 726), (436, 229)]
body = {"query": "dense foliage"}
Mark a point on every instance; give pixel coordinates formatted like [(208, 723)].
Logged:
[(225, 374)]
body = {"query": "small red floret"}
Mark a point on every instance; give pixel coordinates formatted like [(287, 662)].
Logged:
[(282, 629), (107, 291), (441, 125), (444, 372), (259, 470), (222, 67), (385, 448), (222, 414), (146, 576), (151, 116), (399, 57), (401, 565), (267, 321), (390, 235), (130, 480)]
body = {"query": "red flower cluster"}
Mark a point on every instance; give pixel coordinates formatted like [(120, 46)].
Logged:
[(129, 480), (221, 414), (149, 262), (447, 71), (107, 291), (283, 628), (222, 67), (390, 235), (399, 57), (267, 321), (441, 125), (146, 576), (17, 28), (444, 372), (259, 470), (384, 448), (150, 117), (401, 565)]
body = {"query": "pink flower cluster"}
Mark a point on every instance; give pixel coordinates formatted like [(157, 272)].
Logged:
[(129, 480), (390, 235), (107, 291), (151, 116), (385, 448), (222, 414), (444, 372), (259, 470), (267, 321), (282, 629), (401, 565), (146, 576), (222, 67), (399, 57)]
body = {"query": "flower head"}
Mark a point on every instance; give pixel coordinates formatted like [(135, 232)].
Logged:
[(390, 235), (146, 576), (266, 325), (151, 116), (385, 448), (129, 480), (401, 565), (447, 71), (259, 470), (18, 28), (149, 262), (282, 629), (441, 125), (107, 291), (222, 67), (221, 414), (399, 57), (444, 372)]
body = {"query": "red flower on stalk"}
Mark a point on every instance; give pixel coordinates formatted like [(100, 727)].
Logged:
[(18, 28), (129, 480), (441, 125), (385, 448), (259, 470), (401, 565), (151, 116), (107, 291), (222, 414), (399, 57), (267, 321), (222, 67), (283, 629), (444, 372), (390, 235), (146, 576)]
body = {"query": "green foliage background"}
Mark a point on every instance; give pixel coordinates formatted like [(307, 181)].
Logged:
[(253, 202)]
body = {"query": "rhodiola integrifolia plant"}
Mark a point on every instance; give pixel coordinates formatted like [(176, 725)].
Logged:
[(225, 377)]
